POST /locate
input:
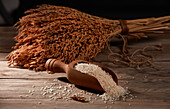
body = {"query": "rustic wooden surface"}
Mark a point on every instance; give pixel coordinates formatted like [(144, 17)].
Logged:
[(150, 87)]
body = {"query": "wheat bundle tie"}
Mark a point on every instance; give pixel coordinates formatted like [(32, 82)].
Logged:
[(125, 29)]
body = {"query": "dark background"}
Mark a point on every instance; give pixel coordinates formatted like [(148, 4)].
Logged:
[(112, 9)]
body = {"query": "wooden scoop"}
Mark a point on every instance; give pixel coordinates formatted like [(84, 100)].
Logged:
[(75, 76)]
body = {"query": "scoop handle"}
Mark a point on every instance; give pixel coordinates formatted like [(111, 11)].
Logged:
[(55, 66)]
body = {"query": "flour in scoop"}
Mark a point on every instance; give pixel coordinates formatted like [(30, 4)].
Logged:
[(112, 90)]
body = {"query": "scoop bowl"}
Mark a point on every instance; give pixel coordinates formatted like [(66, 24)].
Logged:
[(75, 76)]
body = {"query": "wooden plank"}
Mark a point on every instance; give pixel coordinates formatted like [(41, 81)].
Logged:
[(17, 72), (156, 89), (123, 72), (7, 29), (45, 103), (2, 56), (150, 98), (6, 39)]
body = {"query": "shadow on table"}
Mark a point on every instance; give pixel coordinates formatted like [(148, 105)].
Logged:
[(64, 79)]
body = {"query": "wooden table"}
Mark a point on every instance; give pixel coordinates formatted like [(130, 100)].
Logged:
[(150, 88)]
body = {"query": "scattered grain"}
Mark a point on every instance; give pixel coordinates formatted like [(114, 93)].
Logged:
[(29, 91)]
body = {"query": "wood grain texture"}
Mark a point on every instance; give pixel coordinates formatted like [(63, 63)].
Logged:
[(6, 39), (151, 87)]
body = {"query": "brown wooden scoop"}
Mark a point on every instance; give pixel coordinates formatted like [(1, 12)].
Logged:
[(75, 76)]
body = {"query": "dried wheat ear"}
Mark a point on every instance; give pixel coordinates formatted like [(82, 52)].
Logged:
[(68, 34)]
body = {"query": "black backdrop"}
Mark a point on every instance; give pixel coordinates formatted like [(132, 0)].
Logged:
[(112, 9)]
